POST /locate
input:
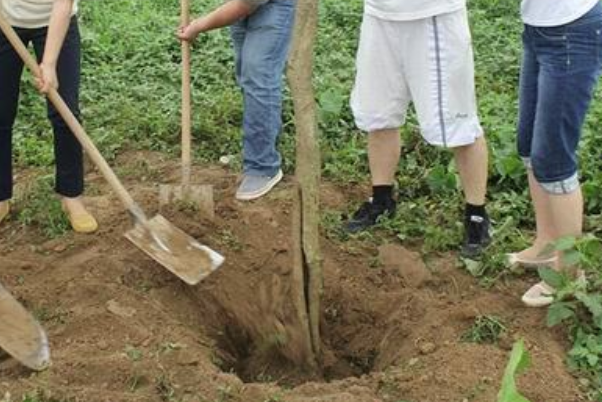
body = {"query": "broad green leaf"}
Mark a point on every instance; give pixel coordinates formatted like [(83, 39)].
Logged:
[(592, 360), (475, 268), (571, 257), (519, 362), (579, 351), (592, 302), (512, 166), (331, 103), (592, 247), (439, 179), (553, 278), (566, 243), (558, 312)]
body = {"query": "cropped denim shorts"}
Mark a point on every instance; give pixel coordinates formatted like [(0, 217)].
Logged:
[(561, 66)]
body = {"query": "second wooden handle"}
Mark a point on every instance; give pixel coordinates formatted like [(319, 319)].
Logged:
[(186, 100)]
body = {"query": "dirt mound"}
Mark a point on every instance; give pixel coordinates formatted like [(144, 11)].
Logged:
[(124, 329)]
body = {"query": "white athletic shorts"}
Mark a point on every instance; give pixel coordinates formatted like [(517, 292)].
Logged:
[(428, 62)]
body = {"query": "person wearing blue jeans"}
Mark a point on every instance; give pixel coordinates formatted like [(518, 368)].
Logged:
[(51, 26), (261, 33), (562, 62)]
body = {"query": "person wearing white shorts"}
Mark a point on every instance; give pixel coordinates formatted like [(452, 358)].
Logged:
[(420, 52)]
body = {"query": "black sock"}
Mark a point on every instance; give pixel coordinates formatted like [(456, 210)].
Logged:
[(476, 210), (382, 195)]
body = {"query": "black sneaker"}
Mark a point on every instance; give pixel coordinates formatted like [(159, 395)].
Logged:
[(368, 214), (476, 236)]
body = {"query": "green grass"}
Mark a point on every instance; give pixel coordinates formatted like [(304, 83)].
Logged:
[(485, 329), (40, 207)]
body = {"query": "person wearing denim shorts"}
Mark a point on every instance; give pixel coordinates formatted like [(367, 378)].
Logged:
[(420, 52), (261, 33), (51, 26), (562, 61)]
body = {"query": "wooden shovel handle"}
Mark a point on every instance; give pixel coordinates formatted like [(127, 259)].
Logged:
[(186, 100), (73, 123)]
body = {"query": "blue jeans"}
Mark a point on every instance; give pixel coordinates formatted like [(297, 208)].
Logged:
[(68, 152), (561, 66), (261, 43)]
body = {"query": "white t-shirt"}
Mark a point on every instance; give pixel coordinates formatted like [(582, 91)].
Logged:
[(29, 13), (553, 13), (409, 10)]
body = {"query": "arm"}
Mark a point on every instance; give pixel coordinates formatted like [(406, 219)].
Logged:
[(225, 15), (57, 30)]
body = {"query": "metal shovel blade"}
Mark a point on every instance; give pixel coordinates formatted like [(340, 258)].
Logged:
[(21, 336), (175, 250)]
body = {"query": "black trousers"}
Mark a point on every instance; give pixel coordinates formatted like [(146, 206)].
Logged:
[(67, 150)]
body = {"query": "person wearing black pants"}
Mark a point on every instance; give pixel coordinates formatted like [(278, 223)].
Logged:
[(57, 46)]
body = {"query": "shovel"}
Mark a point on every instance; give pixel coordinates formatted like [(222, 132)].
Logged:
[(20, 334), (198, 195), (157, 237)]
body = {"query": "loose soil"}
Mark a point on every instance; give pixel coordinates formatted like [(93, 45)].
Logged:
[(122, 328)]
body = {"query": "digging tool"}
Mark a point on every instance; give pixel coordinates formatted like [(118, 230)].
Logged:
[(199, 195), (21, 336), (157, 237)]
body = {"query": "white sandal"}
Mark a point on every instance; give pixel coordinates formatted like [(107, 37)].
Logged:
[(539, 295), (542, 294), (514, 261)]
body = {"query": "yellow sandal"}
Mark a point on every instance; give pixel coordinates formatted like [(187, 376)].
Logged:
[(4, 210), (82, 223)]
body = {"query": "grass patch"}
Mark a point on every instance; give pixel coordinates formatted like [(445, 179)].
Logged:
[(485, 330), (42, 208)]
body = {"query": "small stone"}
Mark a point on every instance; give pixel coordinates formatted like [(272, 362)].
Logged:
[(413, 361), (60, 248), (50, 245), (103, 345), (585, 382), (124, 312), (427, 348)]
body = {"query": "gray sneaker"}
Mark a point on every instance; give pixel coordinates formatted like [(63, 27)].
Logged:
[(253, 187)]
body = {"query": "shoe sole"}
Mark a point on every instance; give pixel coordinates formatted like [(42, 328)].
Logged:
[(352, 231), (476, 255), (260, 193), (91, 225), (514, 262), (546, 299)]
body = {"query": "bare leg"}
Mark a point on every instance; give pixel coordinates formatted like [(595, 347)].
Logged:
[(567, 220), (544, 218), (567, 212), (472, 162), (384, 150)]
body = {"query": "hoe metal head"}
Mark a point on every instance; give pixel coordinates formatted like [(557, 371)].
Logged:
[(175, 250), (21, 336)]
